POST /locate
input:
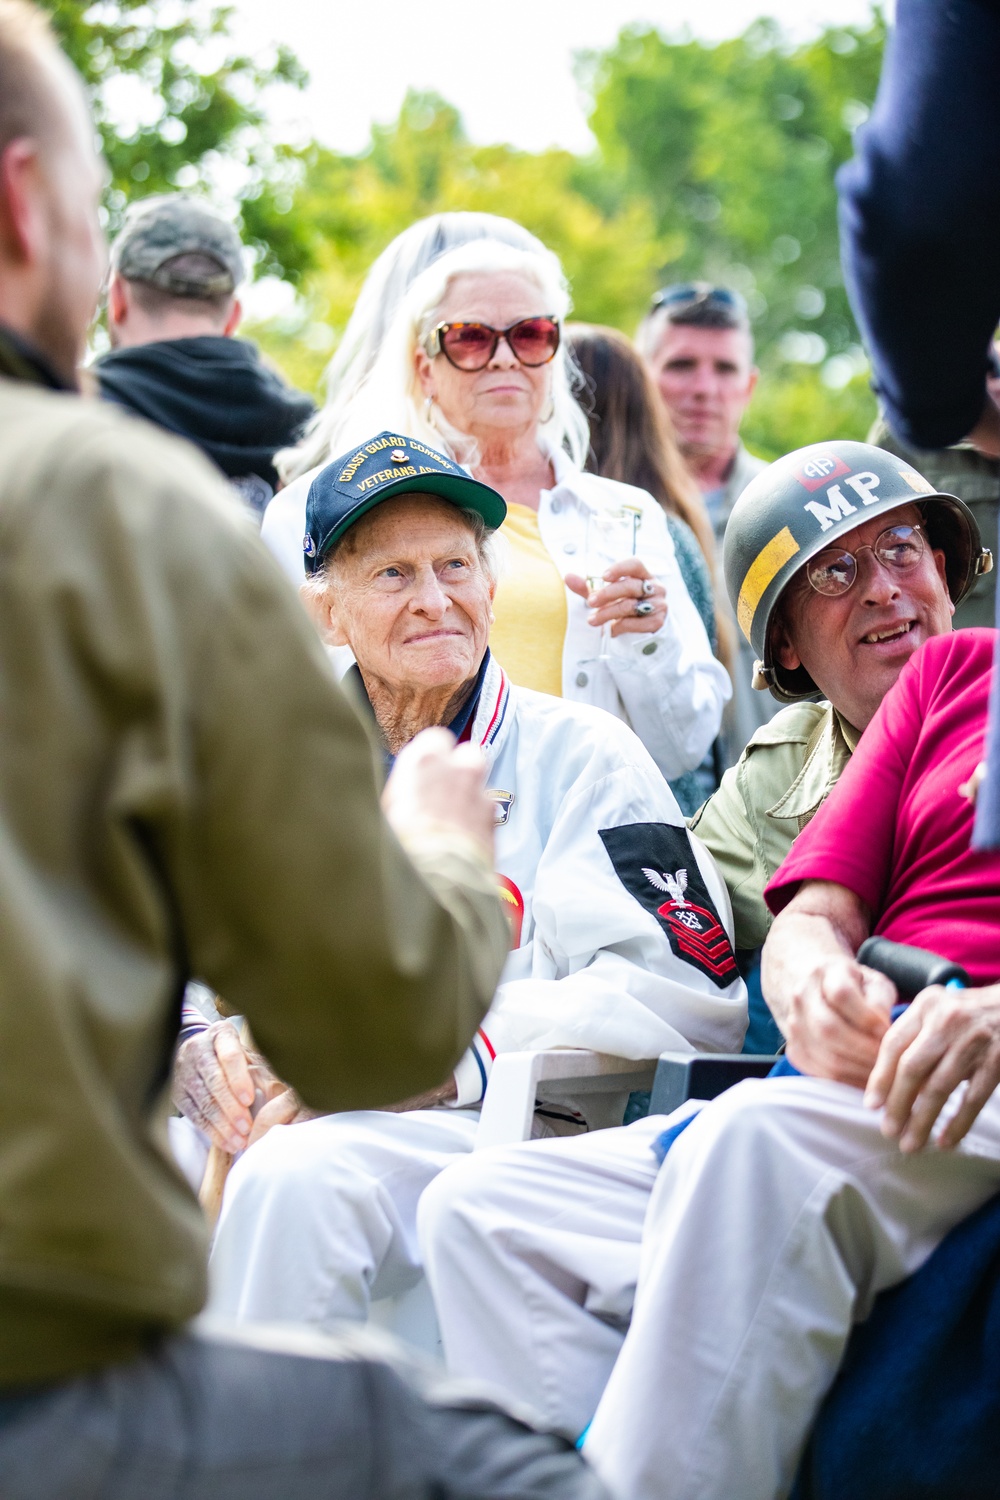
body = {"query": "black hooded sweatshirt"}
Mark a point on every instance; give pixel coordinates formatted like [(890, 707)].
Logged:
[(214, 391)]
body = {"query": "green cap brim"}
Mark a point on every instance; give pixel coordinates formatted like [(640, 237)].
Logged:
[(466, 494)]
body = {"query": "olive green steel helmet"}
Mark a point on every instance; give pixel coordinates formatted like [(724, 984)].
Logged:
[(806, 501)]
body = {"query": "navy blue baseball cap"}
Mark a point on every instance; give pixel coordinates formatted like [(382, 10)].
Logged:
[(387, 465)]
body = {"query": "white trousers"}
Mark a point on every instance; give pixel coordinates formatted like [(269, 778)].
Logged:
[(778, 1215), (190, 1148), (319, 1218)]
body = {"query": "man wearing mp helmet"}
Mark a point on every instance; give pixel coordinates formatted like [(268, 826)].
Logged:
[(840, 561), (831, 633), (619, 919)]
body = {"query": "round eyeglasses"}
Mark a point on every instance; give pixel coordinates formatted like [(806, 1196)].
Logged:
[(471, 346), (834, 570)]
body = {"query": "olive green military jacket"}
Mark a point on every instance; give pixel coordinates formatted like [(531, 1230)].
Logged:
[(183, 790), (765, 800)]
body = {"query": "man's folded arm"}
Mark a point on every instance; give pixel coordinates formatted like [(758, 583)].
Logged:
[(832, 1010)]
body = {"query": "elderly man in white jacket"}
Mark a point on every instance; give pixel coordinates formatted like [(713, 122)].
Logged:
[(620, 922)]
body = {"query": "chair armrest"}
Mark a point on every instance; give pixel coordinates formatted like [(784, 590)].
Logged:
[(518, 1080), (702, 1075)]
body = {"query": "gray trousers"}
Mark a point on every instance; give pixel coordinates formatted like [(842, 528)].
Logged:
[(278, 1415)]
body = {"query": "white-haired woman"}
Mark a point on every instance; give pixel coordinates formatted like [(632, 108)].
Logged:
[(473, 362), (387, 283)]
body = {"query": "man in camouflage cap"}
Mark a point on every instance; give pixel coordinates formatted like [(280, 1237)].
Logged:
[(173, 311), (181, 247)]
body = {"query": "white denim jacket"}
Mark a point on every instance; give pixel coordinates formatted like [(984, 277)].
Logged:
[(667, 686)]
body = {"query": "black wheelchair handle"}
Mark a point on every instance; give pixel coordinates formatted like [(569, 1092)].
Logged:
[(910, 969)]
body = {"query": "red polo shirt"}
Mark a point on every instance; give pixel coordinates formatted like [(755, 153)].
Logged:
[(896, 830)]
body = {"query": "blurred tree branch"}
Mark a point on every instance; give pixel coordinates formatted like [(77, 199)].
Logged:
[(197, 107)]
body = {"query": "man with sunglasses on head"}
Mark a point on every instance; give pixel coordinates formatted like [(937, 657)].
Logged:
[(841, 561), (697, 343)]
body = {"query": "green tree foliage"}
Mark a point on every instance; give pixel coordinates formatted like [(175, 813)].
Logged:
[(793, 406), (202, 105), (423, 163), (736, 146), (712, 161)]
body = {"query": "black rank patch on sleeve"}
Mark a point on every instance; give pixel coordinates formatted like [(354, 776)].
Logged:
[(656, 864)]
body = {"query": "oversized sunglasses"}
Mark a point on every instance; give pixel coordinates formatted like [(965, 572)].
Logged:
[(834, 570), (471, 346)]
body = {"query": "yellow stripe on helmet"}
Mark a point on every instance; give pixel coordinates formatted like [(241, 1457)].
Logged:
[(769, 561)]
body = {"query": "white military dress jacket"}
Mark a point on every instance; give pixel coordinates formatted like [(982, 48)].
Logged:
[(621, 923), (666, 685)]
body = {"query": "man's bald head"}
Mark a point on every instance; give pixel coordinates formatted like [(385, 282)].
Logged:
[(26, 43), (52, 252)]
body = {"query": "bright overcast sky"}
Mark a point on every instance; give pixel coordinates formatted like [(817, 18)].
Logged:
[(506, 64)]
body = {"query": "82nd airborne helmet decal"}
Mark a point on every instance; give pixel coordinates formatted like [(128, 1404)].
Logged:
[(654, 861)]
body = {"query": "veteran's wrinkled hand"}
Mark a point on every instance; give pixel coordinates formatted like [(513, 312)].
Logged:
[(945, 1038), (835, 1022), (216, 1081)]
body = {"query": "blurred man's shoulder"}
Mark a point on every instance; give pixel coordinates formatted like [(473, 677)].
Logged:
[(59, 437), (80, 477)]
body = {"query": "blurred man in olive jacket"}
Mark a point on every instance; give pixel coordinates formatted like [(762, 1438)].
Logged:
[(183, 790)]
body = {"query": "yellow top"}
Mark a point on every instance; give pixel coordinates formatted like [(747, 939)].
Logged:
[(530, 607)]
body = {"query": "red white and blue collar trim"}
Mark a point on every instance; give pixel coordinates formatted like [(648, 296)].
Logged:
[(492, 709)]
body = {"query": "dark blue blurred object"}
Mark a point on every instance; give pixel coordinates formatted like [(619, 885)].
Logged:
[(986, 830), (915, 1412), (920, 219), (920, 226)]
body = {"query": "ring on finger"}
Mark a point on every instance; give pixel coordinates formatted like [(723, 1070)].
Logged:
[(648, 585), (643, 607)]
